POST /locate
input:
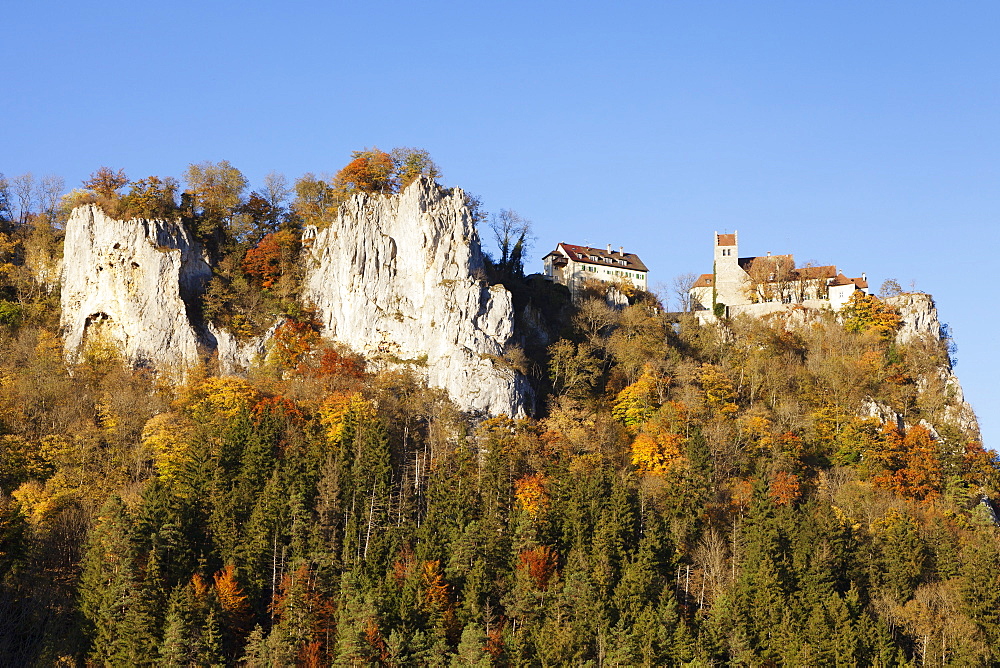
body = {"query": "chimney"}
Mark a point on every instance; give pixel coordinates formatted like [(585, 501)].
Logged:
[(769, 253), (609, 249), (621, 251), (864, 276)]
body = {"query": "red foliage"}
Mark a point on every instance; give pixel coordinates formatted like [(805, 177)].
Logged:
[(495, 646), (540, 564), (373, 636), (334, 364), (270, 258), (277, 407)]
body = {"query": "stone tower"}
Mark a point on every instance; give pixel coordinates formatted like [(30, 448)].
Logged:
[(730, 279)]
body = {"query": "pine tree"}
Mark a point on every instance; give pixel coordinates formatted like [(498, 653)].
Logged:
[(108, 584)]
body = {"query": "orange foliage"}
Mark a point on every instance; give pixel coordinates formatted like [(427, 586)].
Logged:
[(277, 407), (272, 257), (789, 443), (495, 645), (540, 563), (373, 636), (332, 363), (232, 599), (310, 655), (435, 587), (370, 171), (403, 566), (294, 340), (740, 494), (785, 488), (980, 465), (910, 463), (199, 585)]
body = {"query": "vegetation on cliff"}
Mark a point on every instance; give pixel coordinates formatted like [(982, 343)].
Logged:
[(690, 494)]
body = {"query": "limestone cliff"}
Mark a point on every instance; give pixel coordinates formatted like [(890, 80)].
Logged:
[(396, 278), (919, 317), (127, 280), (920, 321)]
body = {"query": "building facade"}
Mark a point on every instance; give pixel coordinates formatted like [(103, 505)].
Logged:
[(574, 265), (761, 284)]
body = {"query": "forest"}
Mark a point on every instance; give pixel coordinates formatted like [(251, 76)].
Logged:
[(686, 494)]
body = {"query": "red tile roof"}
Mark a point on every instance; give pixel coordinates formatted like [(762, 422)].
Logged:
[(704, 281), (725, 240), (603, 258), (828, 271)]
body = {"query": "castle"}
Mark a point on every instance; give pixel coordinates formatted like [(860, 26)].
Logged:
[(765, 284)]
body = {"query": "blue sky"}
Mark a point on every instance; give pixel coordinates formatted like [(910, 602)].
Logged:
[(852, 133)]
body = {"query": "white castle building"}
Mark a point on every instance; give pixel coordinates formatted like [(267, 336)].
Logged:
[(573, 266), (765, 284)]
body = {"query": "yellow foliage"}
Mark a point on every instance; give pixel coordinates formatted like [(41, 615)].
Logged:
[(168, 436), (530, 493), (757, 430), (718, 388), (636, 403), (335, 410), (219, 398), (106, 417), (40, 503), (499, 433), (656, 450)]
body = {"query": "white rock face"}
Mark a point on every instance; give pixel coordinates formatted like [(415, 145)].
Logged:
[(124, 279), (234, 356), (920, 321), (394, 277), (919, 317)]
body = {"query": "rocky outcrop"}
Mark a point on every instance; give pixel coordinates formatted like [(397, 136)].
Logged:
[(126, 281), (397, 278), (394, 277), (919, 321), (919, 317)]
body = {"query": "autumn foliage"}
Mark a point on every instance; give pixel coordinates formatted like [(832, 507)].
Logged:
[(273, 257)]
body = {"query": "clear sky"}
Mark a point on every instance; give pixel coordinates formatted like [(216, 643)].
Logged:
[(861, 134)]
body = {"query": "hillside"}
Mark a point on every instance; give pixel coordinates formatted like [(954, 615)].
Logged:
[(427, 458)]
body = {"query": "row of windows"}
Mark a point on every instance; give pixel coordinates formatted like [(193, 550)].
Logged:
[(624, 274)]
